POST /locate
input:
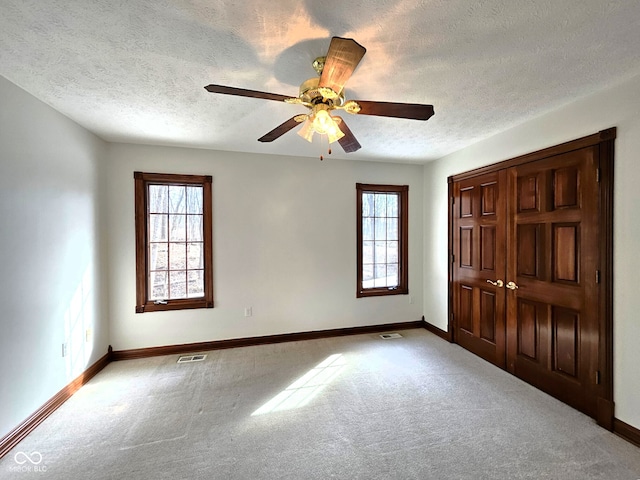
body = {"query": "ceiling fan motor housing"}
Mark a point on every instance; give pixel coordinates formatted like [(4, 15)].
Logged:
[(311, 93)]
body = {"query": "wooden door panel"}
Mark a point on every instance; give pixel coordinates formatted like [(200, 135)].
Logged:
[(566, 248), (566, 187), (466, 202), (565, 340), (465, 311), (488, 248), (489, 197), (488, 309), (528, 245), (528, 193), (466, 247), (528, 326), (478, 246), (552, 259)]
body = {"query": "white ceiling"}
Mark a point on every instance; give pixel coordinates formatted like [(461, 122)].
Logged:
[(134, 70)]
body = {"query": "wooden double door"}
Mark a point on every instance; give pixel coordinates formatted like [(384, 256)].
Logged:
[(527, 273)]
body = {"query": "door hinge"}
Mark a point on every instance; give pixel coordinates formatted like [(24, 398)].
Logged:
[(453, 200), (453, 258), (597, 276), (597, 377), (598, 174)]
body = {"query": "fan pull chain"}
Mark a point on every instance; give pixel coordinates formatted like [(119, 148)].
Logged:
[(322, 142)]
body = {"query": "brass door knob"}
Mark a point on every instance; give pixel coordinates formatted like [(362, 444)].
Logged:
[(511, 286), (497, 283)]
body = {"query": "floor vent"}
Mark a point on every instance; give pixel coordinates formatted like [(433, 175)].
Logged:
[(191, 358), (387, 336)]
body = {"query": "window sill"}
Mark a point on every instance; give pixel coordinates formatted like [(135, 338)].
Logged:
[(381, 292), (174, 305)]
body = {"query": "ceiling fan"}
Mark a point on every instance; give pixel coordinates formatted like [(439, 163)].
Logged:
[(324, 94)]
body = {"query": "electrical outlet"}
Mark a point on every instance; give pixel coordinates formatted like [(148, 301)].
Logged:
[(87, 335), (64, 349), (248, 311), (411, 299)]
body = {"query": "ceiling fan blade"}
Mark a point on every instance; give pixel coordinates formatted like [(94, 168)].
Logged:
[(343, 57), (414, 111), (242, 92), (348, 143), (279, 130)]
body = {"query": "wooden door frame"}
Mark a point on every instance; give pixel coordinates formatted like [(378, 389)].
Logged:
[(605, 142)]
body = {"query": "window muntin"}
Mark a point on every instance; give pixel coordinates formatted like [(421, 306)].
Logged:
[(382, 239), (173, 230)]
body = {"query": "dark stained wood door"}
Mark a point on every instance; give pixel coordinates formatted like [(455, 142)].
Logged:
[(479, 266), (553, 255), (531, 241)]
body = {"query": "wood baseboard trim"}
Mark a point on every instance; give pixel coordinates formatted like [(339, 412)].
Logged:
[(17, 434), (605, 413), (626, 431), (250, 341), (436, 331)]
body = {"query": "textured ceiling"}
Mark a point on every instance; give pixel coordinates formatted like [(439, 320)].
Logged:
[(134, 70)]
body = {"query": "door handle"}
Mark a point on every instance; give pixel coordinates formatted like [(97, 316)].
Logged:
[(511, 286), (497, 283)]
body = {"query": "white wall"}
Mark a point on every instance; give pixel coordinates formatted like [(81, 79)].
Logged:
[(284, 244), (618, 106), (51, 290)]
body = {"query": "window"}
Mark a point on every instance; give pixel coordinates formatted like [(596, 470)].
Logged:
[(173, 242), (382, 239)]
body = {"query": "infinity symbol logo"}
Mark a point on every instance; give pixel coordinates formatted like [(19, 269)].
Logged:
[(34, 459)]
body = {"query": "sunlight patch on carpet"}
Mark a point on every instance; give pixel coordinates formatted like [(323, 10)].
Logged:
[(303, 390)]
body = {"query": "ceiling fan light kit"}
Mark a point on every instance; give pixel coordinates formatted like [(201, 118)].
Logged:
[(321, 122), (325, 93)]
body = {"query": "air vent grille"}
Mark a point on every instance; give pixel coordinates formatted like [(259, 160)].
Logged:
[(387, 336), (191, 358)]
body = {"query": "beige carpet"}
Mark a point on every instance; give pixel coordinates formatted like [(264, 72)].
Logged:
[(356, 407)]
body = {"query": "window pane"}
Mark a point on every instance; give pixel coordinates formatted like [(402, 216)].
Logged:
[(380, 252), (196, 283), (178, 284), (381, 229), (381, 205), (173, 254), (195, 256), (392, 252), (380, 276), (392, 275), (367, 228), (367, 204), (367, 276), (158, 256), (367, 252), (177, 199), (383, 258), (158, 228), (177, 228), (392, 205), (392, 229), (194, 228), (194, 199), (177, 256), (158, 286), (158, 198)]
